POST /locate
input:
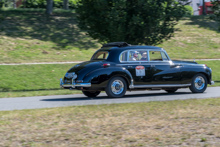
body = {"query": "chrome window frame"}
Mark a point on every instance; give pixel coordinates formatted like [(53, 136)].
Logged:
[(148, 55), (161, 56)]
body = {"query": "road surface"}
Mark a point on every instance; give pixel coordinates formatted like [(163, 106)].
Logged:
[(79, 99)]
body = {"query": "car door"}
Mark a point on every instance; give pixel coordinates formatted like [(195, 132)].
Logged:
[(139, 69), (163, 71)]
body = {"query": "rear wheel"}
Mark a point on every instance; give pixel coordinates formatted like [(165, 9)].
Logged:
[(116, 87), (199, 83), (91, 93), (171, 90)]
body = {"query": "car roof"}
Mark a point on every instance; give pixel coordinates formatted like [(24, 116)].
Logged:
[(116, 48), (132, 47)]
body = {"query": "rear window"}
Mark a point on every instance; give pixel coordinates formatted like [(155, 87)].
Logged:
[(101, 55)]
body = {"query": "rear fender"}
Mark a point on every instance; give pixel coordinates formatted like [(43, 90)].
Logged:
[(101, 76)]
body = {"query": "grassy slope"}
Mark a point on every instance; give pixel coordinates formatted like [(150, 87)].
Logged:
[(196, 37), (31, 80), (31, 36), (171, 123)]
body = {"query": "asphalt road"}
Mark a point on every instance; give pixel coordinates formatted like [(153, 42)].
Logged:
[(79, 99)]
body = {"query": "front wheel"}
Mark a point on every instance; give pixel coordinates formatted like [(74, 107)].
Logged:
[(116, 87), (199, 83), (91, 93)]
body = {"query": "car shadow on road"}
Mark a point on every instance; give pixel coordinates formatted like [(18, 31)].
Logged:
[(125, 97)]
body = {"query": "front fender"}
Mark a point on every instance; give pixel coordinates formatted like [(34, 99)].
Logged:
[(103, 75), (188, 72)]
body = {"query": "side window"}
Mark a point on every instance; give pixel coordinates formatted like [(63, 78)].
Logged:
[(155, 56), (124, 56), (164, 56)]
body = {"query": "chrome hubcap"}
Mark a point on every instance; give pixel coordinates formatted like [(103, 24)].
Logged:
[(199, 83), (117, 87)]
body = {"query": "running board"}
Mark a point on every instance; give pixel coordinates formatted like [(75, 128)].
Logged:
[(159, 86)]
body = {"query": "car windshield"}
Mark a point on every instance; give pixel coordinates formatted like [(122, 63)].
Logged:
[(100, 55)]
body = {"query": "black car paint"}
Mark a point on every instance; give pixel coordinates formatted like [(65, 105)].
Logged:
[(169, 72)]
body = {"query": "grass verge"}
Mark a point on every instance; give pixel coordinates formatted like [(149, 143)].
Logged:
[(171, 123), (215, 66), (29, 35), (38, 80), (195, 37), (38, 93)]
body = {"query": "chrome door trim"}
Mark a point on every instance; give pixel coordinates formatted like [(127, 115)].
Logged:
[(159, 86)]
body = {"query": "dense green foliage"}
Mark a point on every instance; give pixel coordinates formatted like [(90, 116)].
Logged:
[(6, 3), (137, 21), (43, 3), (189, 10), (216, 9)]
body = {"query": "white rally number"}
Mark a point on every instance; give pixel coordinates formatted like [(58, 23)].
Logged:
[(140, 71)]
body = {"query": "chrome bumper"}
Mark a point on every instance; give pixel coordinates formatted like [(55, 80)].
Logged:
[(212, 82), (73, 85)]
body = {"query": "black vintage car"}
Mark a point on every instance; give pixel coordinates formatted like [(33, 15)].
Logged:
[(118, 67)]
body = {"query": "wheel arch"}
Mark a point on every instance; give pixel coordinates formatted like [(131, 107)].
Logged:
[(125, 78), (206, 75)]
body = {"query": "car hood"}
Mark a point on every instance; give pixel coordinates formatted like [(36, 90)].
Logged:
[(84, 68)]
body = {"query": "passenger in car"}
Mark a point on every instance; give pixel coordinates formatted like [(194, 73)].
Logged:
[(134, 57), (144, 56)]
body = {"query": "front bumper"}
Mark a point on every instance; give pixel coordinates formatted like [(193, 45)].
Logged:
[(73, 85)]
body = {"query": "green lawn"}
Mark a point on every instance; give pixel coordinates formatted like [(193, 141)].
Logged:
[(28, 35), (32, 80), (32, 77), (32, 36), (196, 37), (215, 66), (168, 123)]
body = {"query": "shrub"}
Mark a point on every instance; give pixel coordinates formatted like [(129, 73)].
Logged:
[(43, 3), (189, 10)]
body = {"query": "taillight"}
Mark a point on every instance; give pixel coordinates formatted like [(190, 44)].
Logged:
[(106, 65)]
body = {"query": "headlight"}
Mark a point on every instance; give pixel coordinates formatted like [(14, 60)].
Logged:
[(74, 76)]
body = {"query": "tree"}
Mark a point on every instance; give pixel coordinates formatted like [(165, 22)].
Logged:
[(66, 4), (14, 4), (216, 9), (134, 21), (203, 7), (49, 9)]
